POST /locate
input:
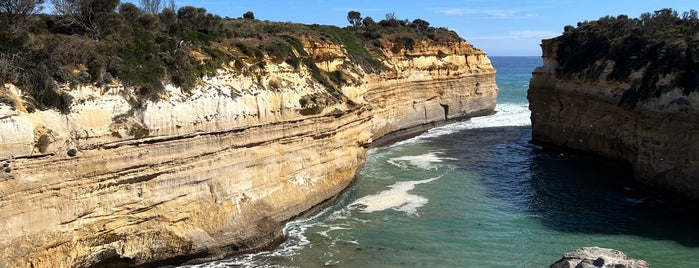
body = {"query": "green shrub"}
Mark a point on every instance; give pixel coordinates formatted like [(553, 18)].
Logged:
[(5, 99), (403, 42), (356, 47), (294, 62), (43, 92), (337, 77), (279, 49)]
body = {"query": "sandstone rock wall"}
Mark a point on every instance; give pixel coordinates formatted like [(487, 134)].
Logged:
[(657, 138), (215, 171), (431, 84)]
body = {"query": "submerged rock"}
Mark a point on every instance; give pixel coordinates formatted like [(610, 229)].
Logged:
[(597, 257)]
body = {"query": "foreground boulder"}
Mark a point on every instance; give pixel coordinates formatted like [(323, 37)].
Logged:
[(597, 257)]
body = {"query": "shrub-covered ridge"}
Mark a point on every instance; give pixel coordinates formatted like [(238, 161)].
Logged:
[(663, 46), (89, 42)]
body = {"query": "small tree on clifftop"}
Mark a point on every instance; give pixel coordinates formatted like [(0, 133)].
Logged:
[(87, 16), (249, 15), (368, 22), (151, 6), (354, 18), (420, 24), (15, 13)]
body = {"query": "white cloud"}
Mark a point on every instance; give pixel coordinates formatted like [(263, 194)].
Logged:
[(533, 33), (494, 13), (524, 34), (361, 10)]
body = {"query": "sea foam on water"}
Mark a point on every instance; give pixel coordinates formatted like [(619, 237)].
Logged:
[(396, 198)]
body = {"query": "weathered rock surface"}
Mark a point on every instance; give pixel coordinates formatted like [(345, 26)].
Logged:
[(459, 81), (657, 138), (591, 257), (215, 171)]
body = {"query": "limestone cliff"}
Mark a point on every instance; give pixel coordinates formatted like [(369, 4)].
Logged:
[(430, 84), (656, 136), (217, 170)]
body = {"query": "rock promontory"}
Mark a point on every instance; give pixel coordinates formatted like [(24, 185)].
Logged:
[(142, 173), (625, 89)]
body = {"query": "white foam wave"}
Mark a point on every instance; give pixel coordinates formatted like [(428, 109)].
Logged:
[(331, 262), (295, 242), (506, 115), (425, 161), (325, 233), (396, 198)]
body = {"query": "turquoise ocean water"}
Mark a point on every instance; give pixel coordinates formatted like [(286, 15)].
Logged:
[(478, 194)]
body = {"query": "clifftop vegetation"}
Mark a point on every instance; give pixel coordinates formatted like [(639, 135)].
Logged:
[(663, 45), (99, 42)]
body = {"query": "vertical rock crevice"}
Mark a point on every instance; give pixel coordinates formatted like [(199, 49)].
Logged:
[(446, 111)]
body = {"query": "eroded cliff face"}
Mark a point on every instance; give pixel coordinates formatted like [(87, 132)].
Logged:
[(430, 84), (656, 138), (217, 170)]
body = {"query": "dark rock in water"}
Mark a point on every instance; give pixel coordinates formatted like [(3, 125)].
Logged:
[(591, 257)]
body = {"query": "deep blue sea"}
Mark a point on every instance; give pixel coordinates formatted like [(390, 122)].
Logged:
[(478, 194)]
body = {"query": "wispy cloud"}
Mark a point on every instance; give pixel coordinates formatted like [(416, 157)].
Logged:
[(524, 34), (362, 10), (487, 12), (533, 33)]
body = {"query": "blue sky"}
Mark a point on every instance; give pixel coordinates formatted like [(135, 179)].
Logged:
[(500, 27)]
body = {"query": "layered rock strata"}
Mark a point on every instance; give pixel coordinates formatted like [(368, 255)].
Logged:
[(215, 171), (656, 138), (430, 84)]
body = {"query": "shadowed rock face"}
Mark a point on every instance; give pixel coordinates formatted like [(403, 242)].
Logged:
[(218, 170), (591, 257), (656, 138)]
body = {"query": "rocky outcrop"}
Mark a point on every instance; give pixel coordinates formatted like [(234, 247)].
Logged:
[(215, 171), (656, 137), (591, 257)]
